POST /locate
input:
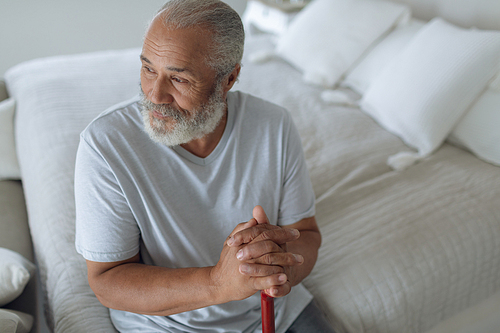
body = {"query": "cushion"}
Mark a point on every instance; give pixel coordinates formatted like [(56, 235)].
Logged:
[(9, 168), (367, 70), (14, 228), (15, 322), (316, 41), (424, 91), (15, 272), (478, 131)]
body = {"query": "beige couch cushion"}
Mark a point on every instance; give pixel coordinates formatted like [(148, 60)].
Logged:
[(14, 230), (3, 91)]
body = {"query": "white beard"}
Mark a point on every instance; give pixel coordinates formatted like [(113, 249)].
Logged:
[(180, 128)]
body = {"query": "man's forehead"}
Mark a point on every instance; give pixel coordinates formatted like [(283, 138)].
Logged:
[(178, 50)]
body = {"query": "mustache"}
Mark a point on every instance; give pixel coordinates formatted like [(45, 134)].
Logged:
[(166, 110)]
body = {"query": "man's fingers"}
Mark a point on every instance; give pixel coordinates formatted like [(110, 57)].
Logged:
[(256, 250), (278, 235), (268, 253), (242, 226), (279, 259), (271, 281), (279, 290), (260, 270), (259, 214), (237, 239), (262, 232)]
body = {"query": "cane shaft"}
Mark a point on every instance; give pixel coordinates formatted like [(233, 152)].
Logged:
[(267, 305)]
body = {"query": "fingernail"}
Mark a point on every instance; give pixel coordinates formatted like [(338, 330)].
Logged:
[(295, 232), (299, 258), (274, 291), (282, 278), (230, 241), (244, 268), (239, 255)]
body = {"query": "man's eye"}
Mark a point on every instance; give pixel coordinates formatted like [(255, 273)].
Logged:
[(176, 79), (148, 69)]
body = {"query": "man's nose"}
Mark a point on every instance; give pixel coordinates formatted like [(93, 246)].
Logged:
[(161, 92)]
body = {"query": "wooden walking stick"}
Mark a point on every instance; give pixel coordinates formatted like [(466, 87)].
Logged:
[(267, 309)]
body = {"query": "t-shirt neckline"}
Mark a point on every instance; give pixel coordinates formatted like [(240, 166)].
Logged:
[(222, 143)]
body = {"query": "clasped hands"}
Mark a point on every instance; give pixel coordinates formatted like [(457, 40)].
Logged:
[(255, 257)]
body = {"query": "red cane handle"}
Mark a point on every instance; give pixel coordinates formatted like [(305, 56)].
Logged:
[(267, 306)]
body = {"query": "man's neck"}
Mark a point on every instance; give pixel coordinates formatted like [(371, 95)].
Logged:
[(205, 146)]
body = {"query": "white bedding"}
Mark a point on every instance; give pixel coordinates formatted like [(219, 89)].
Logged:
[(401, 250)]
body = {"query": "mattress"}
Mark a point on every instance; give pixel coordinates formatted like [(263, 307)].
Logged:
[(401, 250)]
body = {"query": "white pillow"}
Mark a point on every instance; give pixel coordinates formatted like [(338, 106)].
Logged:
[(328, 36), (15, 322), (15, 272), (9, 167), (479, 129), (423, 92), (367, 70)]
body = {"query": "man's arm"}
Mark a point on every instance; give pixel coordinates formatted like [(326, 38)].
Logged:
[(307, 245), (132, 286), (264, 247)]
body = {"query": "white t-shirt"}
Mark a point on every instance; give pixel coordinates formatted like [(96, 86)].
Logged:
[(177, 209)]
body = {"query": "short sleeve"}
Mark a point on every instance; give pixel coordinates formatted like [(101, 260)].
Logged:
[(297, 196), (106, 230)]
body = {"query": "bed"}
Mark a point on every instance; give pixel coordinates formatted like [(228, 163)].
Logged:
[(410, 227)]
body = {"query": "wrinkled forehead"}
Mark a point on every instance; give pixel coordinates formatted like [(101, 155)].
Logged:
[(187, 49)]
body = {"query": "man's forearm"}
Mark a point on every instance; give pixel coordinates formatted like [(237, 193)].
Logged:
[(152, 290), (307, 245), (132, 286)]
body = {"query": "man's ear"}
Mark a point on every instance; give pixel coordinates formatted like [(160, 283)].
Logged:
[(231, 78)]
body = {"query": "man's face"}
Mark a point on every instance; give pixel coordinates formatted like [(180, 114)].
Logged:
[(181, 99), (168, 126)]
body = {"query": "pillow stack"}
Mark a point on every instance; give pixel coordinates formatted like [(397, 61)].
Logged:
[(328, 37), (360, 77), (424, 91), (424, 82)]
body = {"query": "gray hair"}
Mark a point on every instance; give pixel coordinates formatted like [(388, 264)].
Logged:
[(219, 18)]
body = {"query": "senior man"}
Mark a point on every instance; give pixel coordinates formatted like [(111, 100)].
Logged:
[(164, 180)]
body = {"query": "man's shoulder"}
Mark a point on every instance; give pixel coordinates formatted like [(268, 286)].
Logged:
[(113, 117), (249, 100), (256, 107)]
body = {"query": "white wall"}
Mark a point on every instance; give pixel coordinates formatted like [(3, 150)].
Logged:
[(32, 28)]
